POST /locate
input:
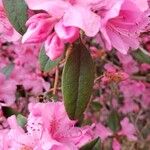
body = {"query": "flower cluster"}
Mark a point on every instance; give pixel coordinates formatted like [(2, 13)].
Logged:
[(48, 127), (114, 24), (117, 35)]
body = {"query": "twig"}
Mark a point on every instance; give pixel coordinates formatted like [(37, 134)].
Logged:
[(56, 80), (144, 51)]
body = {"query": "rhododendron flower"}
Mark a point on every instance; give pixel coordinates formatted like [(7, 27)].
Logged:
[(121, 86), (121, 26), (66, 18), (102, 131), (118, 21), (76, 13), (48, 127), (55, 123)]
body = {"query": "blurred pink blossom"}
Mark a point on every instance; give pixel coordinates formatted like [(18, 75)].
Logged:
[(102, 131), (116, 145), (128, 129), (7, 91)]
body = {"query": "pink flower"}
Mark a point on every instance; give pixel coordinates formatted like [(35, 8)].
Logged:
[(56, 123), (35, 83), (48, 127), (127, 86), (14, 135), (145, 102), (121, 26), (129, 65), (129, 102), (102, 131), (66, 17), (128, 129), (7, 91), (75, 13)]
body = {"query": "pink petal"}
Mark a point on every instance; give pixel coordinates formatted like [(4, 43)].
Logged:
[(116, 145), (82, 18), (55, 8), (1, 4), (39, 27), (54, 47), (67, 34), (117, 42), (102, 131), (142, 4), (130, 131), (105, 39), (114, 11)]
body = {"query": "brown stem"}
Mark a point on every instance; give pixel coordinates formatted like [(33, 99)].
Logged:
[(56, 80)]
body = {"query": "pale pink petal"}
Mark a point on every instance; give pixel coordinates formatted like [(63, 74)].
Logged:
[(116, 145), (39, 27), (54, 47), (13, 122), (55, 8), (142, 4), (102, 131), (105, 39), (67, 34), (1, 4), (128, 129), (114, 11), (117, 42), (82, 18)]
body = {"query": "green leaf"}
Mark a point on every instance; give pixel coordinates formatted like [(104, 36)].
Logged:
[(21, 120), (77, 81), (114, 121), (16, 11), (45, 63), (7, 70), (96, 106), (8, 111), (93, 145), (97, 145), (141, 57)]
